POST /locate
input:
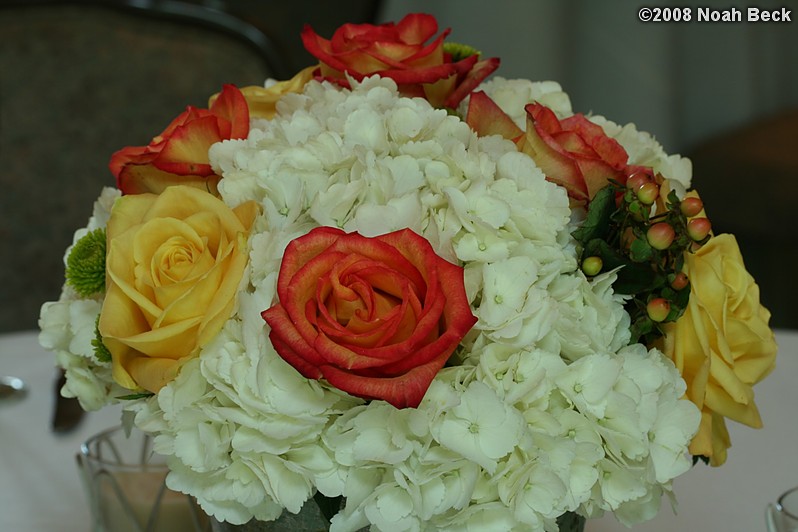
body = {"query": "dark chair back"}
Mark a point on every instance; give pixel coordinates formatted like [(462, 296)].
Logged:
[(78, 81)]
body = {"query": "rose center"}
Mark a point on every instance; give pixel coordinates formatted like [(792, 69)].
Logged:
[(178, 260), (357, 305), (367, 304)]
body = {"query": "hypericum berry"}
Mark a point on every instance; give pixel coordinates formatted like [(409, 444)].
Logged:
[(658, 309), (691, 206), (679, 281), (636, 181), (592, 265), (660, 235), (698, 228), (648, 193)]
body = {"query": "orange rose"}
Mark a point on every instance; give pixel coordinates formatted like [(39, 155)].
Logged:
[(399, 51), (179, 155), (574, 152), (375, 317), (174, 264), (722, 344)]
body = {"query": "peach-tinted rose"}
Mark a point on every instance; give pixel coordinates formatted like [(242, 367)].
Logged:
[(573, 152), (376, 317), (400, 52), (174, 264), (179, 155), (722, 344)]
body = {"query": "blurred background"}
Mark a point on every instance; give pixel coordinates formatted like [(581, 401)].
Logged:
[(80, 80)]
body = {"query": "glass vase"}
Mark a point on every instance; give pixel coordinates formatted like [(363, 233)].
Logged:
[(125, 482)]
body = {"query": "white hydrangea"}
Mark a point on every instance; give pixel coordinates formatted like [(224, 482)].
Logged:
[(68, 328), (512, 95), (543, 408)]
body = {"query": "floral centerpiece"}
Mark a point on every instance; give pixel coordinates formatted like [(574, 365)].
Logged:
[(439, 300)]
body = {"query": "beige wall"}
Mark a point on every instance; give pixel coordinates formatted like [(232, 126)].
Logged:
[(685, 83)]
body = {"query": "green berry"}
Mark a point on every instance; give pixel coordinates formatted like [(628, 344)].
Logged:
[(592, 265)]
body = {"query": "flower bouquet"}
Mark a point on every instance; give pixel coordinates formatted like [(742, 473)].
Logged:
[(429, 299)]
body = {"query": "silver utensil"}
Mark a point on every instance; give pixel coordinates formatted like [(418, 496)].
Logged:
[(12, 388)]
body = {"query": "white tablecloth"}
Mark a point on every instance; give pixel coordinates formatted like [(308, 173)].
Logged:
[(40, 490)]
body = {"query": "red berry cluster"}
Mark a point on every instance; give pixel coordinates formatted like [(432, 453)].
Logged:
[(634, 229)]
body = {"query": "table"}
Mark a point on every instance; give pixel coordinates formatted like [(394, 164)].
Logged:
[(40, 490)]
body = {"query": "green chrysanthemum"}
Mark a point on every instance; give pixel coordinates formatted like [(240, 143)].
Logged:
[(459, 51), (85, 271)]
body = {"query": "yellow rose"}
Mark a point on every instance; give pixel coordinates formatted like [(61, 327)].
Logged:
[(722, 344), (174, 264), (262, 101)]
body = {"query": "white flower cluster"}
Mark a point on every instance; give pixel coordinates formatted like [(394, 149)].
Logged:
[(512, 96), (543, 408), (68, 328)]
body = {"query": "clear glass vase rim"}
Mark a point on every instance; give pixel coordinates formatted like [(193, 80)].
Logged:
[(780, 503), (86, 454)]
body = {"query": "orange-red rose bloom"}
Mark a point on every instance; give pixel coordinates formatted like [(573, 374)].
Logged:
[(179, 155), (574, 152), (375, 317), (400, 52)]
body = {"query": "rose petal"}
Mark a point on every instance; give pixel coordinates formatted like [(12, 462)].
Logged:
[(186, 150), (486, 118), (405, 391), (231, 107), (416, 28)]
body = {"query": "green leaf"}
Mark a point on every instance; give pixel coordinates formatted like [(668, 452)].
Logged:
[(633, 278), (641, 327), (641, 250), (673, 199), (134, 396), (610, 258), (100, 351), (599, 214)]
